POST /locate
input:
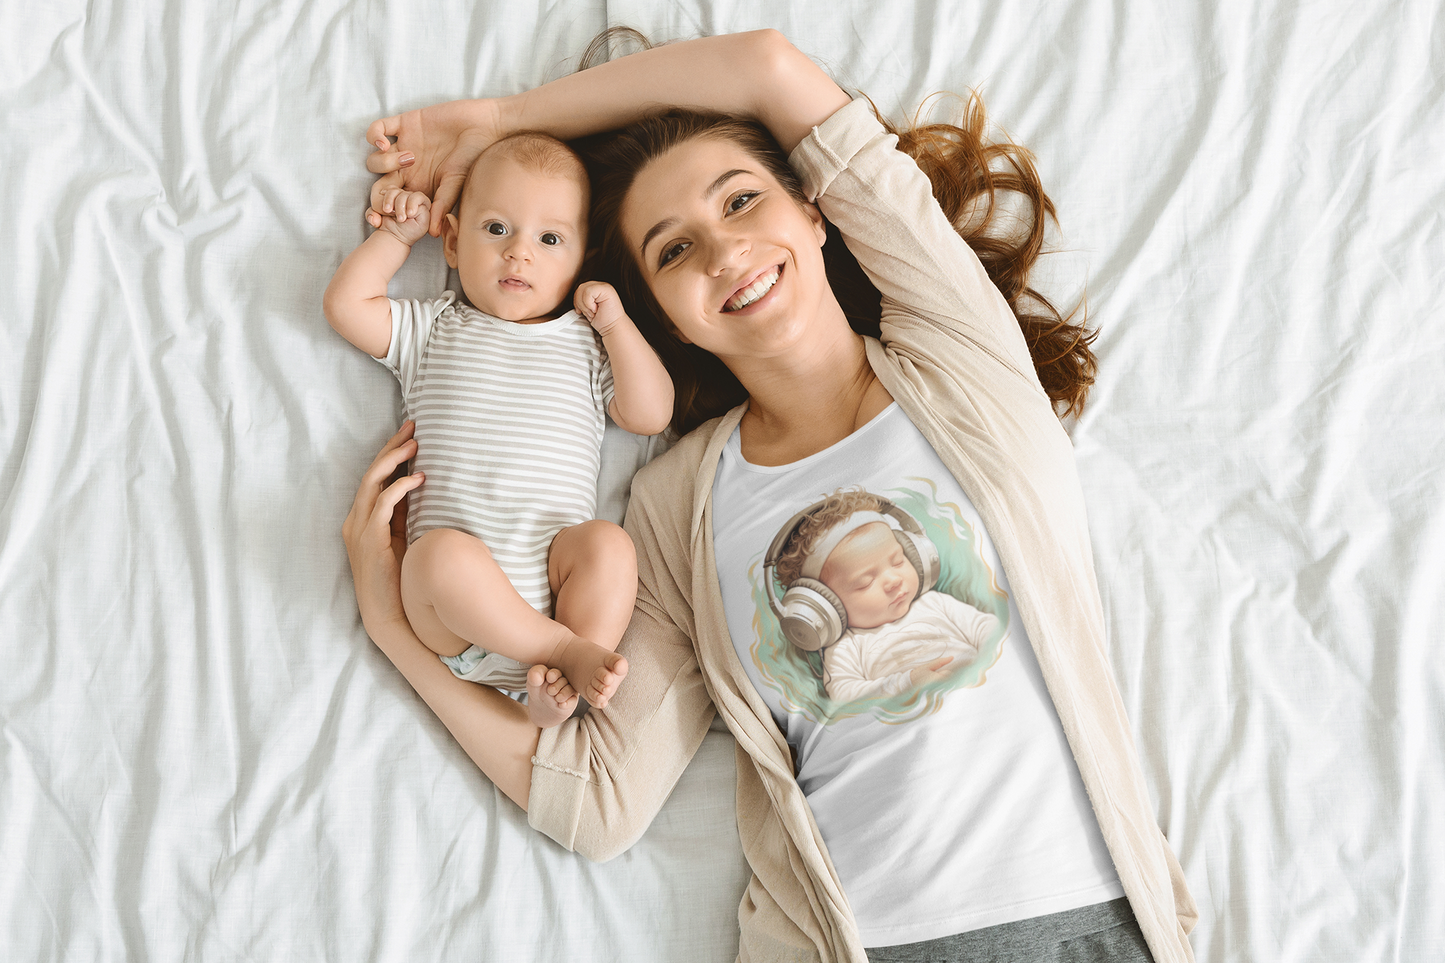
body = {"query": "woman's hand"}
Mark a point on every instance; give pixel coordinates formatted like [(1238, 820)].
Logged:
[(433, 150), (375, 534)]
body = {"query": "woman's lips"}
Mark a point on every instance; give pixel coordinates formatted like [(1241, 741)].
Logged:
[(775, 271)]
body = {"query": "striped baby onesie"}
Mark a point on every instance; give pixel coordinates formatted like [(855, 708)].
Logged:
[(509, 421)]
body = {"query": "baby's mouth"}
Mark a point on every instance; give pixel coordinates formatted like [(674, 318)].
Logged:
[(514, 284)]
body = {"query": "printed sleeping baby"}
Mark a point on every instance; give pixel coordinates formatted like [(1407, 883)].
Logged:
[(897, 638), (508, 577)]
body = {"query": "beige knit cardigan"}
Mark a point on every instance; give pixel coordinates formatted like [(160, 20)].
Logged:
[(954, 359)]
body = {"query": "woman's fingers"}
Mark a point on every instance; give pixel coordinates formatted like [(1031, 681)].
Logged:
[(383, 160), (398, 448), (448, 190), (387, 501), (385, 127)]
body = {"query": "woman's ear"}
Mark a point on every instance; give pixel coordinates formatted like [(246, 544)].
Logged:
[(450, 228), (816, 216)]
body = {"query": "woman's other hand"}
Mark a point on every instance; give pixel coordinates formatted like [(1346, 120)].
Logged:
[(433, 149), (375, 533)]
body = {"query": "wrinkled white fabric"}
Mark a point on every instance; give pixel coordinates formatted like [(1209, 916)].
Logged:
[(201, 756)]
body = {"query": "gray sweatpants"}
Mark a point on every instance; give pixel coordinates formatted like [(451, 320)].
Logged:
[(1102, 933)]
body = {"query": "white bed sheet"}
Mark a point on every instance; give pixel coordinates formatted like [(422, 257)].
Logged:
[(202, 757)]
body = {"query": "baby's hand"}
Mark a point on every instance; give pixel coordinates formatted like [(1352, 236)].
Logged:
[(403, 214), (934, 672), (597, 301)]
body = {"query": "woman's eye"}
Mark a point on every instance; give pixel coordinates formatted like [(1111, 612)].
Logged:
[(495, 228), (668, 253), (550, 239), (741, 200)]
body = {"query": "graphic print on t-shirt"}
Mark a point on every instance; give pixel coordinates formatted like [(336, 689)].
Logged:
[(875, 603)]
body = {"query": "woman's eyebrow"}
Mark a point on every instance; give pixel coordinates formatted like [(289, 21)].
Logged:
[(716, 185), (667, 222), (657, 229)]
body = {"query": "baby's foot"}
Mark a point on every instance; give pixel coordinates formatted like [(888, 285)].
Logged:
[(550, 697), (593, 671)]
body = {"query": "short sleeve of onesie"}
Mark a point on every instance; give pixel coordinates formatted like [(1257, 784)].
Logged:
[(603, 379), (411, 324)]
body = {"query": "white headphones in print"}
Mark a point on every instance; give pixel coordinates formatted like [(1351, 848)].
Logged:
[(810, 613)]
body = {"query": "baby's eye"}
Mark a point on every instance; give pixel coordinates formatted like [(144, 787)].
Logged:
[(740, 201), (550, 239), (668, 253), (495, 228)]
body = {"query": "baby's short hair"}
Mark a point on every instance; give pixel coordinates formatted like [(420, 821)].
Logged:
[(540, 153), (835, 509)]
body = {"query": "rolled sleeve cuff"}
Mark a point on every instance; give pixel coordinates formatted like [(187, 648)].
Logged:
[(554, 802), (831, 146)]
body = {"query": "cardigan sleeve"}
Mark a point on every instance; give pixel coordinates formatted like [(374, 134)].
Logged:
[(598, 781), (933, 284)]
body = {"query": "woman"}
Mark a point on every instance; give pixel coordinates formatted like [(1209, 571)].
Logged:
[(986, 806)]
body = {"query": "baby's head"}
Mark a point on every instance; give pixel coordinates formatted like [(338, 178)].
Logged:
[(519, 232), (849, 547)]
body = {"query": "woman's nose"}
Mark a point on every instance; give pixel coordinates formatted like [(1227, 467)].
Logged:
[(726, 250)]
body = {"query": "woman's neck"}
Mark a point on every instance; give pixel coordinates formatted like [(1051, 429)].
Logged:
[(809, 400)]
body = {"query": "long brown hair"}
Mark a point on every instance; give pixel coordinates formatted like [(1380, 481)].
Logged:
[(968, 175)]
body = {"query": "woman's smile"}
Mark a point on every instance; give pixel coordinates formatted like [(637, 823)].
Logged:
[(754, 292)]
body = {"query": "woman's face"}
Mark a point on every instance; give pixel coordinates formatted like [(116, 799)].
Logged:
[(734, 261)]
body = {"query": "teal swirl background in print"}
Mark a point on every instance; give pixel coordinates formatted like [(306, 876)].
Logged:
[(797, 676)]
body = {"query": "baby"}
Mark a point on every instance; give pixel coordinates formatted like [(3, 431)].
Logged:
[(509, 394), (897, 638)]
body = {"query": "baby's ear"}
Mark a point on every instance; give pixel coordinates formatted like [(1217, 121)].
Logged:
[(450, 229)]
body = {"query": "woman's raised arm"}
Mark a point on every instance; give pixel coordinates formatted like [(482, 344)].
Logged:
[(757, 74)]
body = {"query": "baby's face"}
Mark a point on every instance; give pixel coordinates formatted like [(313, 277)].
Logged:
[(518, 239), (870, 573)]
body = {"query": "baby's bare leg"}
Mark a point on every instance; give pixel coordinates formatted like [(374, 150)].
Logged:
[(592, 568), (455, 594)]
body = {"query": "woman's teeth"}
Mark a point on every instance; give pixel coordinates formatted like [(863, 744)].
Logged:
[(756, 290)]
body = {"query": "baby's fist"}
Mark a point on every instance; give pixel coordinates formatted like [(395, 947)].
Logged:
[(597, 301), (403, 214)]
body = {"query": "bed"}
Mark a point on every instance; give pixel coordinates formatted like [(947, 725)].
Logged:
[(203, 758)]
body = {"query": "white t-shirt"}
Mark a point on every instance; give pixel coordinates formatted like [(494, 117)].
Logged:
[(947, 807)]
